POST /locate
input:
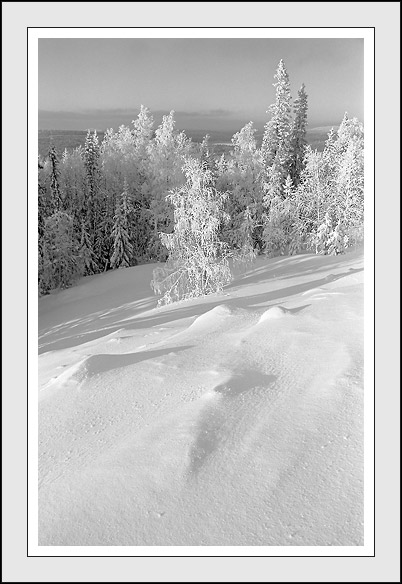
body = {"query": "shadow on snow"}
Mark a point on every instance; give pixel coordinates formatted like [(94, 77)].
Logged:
[(106, 322)]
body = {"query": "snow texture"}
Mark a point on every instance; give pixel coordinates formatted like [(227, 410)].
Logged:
[(233, 419)]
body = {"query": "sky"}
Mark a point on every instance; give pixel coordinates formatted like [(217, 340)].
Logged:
[(211, 84)]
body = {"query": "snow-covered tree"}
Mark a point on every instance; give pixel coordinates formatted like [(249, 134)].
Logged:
[(60, 258), (276, 142), (206, 155), (273, 186), (73, 183), (244, 256), (329, 197), (198, 259), (86, 253), (166, 157), (241, 176), (91, 161), (122, 246), (54, 181), (298, 137), (142, 130), (323, 236), (91, 158), (278, 226), (337, 240), (288, 187)]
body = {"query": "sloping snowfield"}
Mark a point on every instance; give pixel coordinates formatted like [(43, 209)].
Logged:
[(235, 419)]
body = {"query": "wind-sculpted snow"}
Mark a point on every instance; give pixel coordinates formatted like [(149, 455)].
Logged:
[(234, 419), (219, 420), (212, 319), (274, 312)]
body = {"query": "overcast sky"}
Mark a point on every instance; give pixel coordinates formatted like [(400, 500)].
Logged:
[(210, 83)]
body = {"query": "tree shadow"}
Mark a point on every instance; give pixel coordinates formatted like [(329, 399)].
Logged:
[(330, 277), (247, 302), (88, 329), (286, 267)]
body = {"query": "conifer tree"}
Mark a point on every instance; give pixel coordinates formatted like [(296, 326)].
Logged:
[(298, 138), (60, 258), (91, 160), (54, 181), (277, 134), (288, 187), (142, 131), (273, 187), (86, 252), (43, 204), (122, 246), (322, 238), (42, 214), (337, 240), (206, 156), (91, 157)]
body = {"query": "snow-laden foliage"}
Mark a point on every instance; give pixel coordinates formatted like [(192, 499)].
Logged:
[(241, 176), (122, 247), (278, 197), (86, 252), (330, 196), (276, 139), (298, 137), (59, 259), (54, 180), (276, 142), (198, 260), (166, 157)]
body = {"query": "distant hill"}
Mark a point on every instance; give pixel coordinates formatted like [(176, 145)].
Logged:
[(62, 139), (317, 137), (71, 139)]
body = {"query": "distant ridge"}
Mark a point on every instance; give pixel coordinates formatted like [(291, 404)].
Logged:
[(71, 139)]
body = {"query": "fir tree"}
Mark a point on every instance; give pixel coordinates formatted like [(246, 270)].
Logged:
[(337, 240), (288, 187), (54, 181), (60, 258), (322, 238), (206, 156), (277, 134), (122, 246), (91, 161), (142, 131), (298, 138), (273, 187), (86, 252), (91, 158)]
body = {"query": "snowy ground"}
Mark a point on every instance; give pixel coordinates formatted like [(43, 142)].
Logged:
[(235, 419)]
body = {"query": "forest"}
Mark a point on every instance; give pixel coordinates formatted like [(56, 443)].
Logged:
[(146, 194)]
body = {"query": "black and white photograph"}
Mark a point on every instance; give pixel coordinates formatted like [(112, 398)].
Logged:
[(201, 277), (200, 365)]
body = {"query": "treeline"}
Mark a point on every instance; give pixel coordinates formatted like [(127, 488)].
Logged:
[(146, 194)]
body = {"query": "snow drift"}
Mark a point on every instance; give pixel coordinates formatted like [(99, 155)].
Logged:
[(234, 419)]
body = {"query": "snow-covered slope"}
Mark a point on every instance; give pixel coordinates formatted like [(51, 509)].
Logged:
[(235, 419)]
